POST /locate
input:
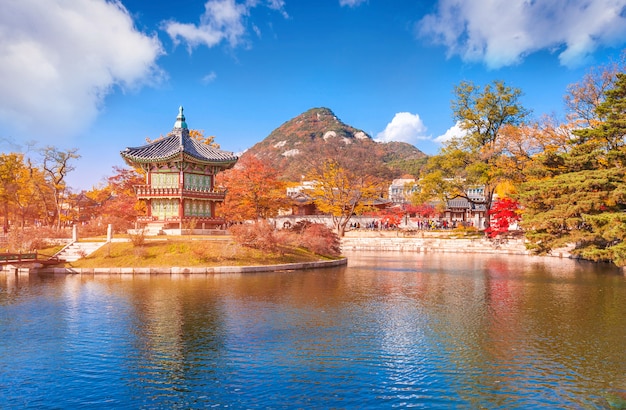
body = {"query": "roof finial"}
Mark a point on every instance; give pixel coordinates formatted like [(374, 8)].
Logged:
[(180, 120)]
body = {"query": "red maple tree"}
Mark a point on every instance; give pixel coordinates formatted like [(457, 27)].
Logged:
[(503, 214)]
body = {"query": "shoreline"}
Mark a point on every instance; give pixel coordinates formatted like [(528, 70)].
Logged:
[(206, 270), (353, 241)]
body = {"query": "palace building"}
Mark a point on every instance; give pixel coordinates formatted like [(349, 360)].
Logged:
[(180, 180)]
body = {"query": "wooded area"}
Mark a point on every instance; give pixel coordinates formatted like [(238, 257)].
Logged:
[(565, 177)]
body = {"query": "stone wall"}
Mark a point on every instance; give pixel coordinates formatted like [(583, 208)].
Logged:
[(434, 241), (514, 246)]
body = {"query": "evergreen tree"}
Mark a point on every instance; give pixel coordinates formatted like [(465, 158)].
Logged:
[(581, 198)]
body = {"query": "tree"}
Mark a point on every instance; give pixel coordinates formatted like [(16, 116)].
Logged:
[(421, 210), (28, 199), (344, 184), (197, 135), (389, 217), (253, 190), (583, 98), (478, 158), (56, 165), (504, 213), (580, 198), (116, 202), (18, 193), (11, 166)]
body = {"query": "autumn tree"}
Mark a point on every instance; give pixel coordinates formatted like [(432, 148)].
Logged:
[(504, 213), (475, 159), (116, 202), (11, 166), (18, 189), (197, 135), (28, 200), (421, 210), (583, 98), (345, 182), (253, 190), (580, 198), (56, 164)]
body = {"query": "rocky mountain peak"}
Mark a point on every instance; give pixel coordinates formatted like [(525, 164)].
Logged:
[(283, 146)]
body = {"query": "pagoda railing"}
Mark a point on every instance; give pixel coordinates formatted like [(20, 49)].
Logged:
[(147, 191), (199, 219)]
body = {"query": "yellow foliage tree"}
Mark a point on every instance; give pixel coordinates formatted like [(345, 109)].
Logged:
[(341, 192)]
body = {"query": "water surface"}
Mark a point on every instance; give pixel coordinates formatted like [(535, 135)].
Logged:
[(389, 330)]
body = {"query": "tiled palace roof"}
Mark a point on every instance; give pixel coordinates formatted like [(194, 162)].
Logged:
[(177, 144)]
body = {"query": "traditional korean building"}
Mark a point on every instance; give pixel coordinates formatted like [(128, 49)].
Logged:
[(180, 179)]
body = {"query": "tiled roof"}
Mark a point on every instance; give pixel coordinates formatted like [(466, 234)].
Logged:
[(177, 144), (174, 145), (465, 204)]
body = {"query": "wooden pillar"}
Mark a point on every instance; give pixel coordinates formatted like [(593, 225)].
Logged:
[(181, 211)]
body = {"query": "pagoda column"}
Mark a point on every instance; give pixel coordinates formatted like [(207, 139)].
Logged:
[(148, 185), (181, 186)]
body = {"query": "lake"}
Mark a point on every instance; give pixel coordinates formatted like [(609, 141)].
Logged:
[(425, 330)]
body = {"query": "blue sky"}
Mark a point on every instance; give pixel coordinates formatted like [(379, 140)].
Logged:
[(103, 75)]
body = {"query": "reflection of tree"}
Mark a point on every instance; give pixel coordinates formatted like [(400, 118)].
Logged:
[(179, 334)]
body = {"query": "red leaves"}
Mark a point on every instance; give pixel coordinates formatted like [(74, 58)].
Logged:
[(504, 213)]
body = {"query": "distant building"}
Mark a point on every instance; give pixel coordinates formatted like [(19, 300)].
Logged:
[(401, 190), (180, 179), (303, 204)]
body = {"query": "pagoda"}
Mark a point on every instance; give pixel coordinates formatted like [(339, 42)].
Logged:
[(180, 179)]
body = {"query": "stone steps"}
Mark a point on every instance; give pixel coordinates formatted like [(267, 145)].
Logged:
[(77, 250)]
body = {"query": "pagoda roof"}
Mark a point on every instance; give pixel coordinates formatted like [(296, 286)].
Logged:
[(178, 145)]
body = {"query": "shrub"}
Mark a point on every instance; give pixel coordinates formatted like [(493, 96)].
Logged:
[(301, 226), (315, 237), (259, 235), (92, 228), (320, 239), (29, 239), (137, 238), (99, 226)]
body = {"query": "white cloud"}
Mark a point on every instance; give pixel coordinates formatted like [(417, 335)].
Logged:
[(404, 127), (223, 20), (351, 3), (209, 78), (453, 132), (503, 32), (278, 5), (58, 62)]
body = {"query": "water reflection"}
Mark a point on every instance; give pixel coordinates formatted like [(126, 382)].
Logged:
[(424, 330)]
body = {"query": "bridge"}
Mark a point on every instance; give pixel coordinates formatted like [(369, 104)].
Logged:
[(30, 257)]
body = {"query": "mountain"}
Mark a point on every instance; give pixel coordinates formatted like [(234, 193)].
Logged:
[(285, 144)]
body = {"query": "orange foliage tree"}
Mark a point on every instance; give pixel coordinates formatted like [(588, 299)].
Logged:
[(116, 202), (253, 190)]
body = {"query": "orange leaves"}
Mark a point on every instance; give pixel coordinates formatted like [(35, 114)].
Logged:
[(253, 190)]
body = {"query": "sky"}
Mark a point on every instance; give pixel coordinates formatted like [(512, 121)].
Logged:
[(102, 75)]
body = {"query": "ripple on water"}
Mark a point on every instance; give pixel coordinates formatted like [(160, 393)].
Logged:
[(426, 331)]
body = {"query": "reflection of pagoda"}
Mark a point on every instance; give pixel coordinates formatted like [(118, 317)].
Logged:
[(180, 185)]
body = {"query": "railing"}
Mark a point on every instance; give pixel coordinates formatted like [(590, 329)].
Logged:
[(149, 191), (200, 219), (17, 257)]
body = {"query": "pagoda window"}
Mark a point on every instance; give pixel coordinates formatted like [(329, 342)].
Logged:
[(164, 208), (197, 208), (197, 182), (164, 180)]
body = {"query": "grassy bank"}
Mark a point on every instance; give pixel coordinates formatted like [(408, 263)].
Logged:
[(188, 253)]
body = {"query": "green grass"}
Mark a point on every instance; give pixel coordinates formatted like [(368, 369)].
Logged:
[(187, 253)]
